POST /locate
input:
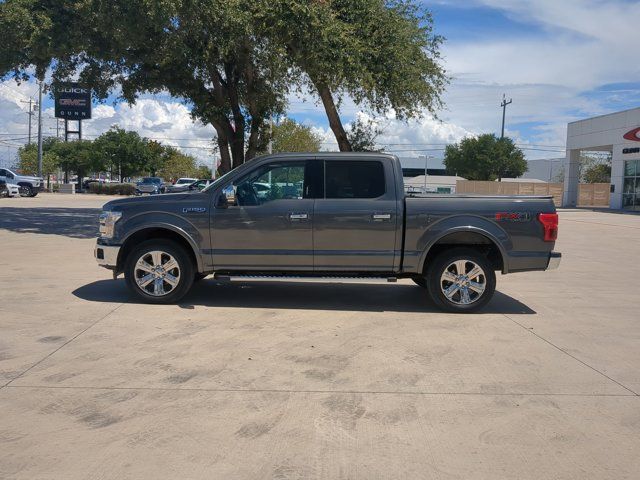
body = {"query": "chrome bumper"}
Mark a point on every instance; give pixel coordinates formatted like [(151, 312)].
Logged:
[(554, 260), (106, 255)]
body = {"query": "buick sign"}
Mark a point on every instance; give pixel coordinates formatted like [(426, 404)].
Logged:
[(72, 101)]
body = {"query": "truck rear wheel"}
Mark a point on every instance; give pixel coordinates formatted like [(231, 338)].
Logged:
[(461, 280), (159, 271)]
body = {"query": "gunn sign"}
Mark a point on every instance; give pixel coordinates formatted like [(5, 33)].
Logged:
[(72, 101)]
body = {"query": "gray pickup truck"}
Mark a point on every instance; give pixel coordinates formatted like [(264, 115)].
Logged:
[(326, 215)]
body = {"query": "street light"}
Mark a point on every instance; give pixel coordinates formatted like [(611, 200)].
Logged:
[(426, 168)]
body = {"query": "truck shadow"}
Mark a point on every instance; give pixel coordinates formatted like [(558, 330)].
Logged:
[(69, 222), (300, 295)]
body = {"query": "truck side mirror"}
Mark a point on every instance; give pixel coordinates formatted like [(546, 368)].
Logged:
[(227, 197)]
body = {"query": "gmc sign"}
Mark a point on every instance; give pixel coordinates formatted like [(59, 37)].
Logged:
[(72, 101)]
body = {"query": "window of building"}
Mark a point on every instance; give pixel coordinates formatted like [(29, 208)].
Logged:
[(354, 179), (631, 186)]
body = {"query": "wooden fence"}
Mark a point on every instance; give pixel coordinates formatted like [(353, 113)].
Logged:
[(589, 194)]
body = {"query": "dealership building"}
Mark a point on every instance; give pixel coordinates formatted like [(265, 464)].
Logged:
[(616, 133)]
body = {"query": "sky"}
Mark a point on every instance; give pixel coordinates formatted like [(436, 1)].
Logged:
[(558, 60)]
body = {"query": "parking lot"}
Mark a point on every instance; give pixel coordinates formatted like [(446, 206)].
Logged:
[(303, 380)]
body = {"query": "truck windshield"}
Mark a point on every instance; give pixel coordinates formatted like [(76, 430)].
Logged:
[(150, 180)]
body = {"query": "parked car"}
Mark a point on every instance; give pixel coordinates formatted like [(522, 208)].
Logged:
[(88, 181), (14, 190), (348, 217), (150, 185), (29, 186), (181, 185), (9, 189), (200, 185)]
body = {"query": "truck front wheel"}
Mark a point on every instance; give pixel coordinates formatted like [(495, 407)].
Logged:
[(26, 190), (461, 280), (159, 271)]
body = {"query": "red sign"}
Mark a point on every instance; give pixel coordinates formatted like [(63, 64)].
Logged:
[(633, 135)]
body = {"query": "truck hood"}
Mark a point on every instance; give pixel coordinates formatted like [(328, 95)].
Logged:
[(156, 202), (29, 178)]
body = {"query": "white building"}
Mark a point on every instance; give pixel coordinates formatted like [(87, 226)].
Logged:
[(432, 184), (617, 133)]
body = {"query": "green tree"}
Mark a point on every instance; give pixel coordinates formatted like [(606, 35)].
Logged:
[(597, 173), (363, 134), (233, 61), (176, 164), (28, 160), (290, 136), (77, 157), (206, 52), (382, 54), (122, 153), (204, 172), (485, 158)]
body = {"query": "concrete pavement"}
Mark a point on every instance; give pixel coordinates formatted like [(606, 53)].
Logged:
[(307, 380)]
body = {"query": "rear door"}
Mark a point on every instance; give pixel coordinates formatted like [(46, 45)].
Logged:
[(355, 223)]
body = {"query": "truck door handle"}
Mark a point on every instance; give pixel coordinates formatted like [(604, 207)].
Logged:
[(380, 217), (298, 216)]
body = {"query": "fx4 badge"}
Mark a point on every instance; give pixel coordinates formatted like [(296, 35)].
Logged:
[(194, 210), (513, 217)]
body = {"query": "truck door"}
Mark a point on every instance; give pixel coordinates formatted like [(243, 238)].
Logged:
[(265, 219), (355, 224)]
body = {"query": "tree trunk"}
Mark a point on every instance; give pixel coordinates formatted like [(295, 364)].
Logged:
[(223, 147), (334, 117)]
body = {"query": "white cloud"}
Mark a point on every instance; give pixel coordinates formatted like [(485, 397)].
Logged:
[(573, 46)]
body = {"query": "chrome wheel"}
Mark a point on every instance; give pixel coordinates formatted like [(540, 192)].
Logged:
[(157, 273), (463, 282)]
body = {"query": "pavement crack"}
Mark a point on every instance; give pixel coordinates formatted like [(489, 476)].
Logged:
[(327, 392), (49, 355), (572, 356)]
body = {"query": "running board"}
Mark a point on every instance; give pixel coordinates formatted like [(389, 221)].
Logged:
[(301, 278)]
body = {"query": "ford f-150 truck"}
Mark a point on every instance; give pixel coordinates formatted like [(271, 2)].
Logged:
[(326, 215)]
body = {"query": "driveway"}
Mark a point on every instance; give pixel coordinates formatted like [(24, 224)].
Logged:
[(303, 380)]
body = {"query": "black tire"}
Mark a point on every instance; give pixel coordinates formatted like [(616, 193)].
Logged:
[(26, 191), (420, 281), (185, 271), (457, 303), (34, 193)]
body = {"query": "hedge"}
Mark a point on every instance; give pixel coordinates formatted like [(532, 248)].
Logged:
[(112, 188)]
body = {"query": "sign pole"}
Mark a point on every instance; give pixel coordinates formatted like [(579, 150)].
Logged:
[(40, 129)]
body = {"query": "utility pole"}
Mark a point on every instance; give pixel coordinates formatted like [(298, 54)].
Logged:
[(30, 113), (504, 111), (426, 168), (39, 129)]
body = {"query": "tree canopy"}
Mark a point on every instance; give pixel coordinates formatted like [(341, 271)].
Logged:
[(234, 61), (485, 157), (290, 136), (121, 153)]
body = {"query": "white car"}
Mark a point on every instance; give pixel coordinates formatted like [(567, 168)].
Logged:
[(181, 185), (14, 190)]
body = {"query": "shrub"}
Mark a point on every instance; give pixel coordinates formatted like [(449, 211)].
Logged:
[(112, 188)]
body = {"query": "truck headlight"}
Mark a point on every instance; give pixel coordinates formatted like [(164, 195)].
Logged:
[(108, 221)]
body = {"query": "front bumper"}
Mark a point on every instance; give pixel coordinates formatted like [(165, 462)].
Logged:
[(107, 255), (554, 260)]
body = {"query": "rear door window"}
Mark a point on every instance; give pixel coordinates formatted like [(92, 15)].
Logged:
[(354, 179)]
